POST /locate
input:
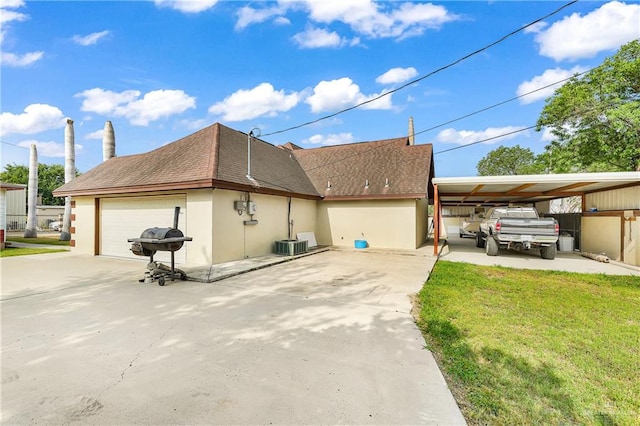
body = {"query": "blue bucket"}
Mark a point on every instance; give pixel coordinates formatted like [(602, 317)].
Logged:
[(360, 244)]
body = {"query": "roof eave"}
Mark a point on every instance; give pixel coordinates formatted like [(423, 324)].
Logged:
[(375, 197)]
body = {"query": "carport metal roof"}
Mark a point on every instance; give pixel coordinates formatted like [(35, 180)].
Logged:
[(500, 190)]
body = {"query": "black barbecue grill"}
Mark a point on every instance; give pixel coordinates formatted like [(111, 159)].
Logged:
[(153, 240)]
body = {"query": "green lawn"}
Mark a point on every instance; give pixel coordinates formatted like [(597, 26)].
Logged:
[(19, 251), (51, 241), (535, 347)]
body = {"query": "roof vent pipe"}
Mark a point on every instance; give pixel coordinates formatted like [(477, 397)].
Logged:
[(412, 132), (386, 182), (255, 132), (108, 142)]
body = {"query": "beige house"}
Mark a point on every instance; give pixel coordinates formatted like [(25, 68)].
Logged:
[(375, 191)]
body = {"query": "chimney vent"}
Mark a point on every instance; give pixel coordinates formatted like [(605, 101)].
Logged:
[(108, 142), (412, 133)]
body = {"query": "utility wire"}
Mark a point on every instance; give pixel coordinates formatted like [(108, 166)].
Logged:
[(12, 144), (523, 129), (451, 64), (449, 122), (500, 103), (485, 140)]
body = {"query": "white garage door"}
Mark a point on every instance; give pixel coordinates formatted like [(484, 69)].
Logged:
[(124, 218)]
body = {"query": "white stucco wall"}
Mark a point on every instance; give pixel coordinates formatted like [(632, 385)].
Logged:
[(199, 209), (233, 240), (422, 220), (84, 226), (220, 235), (383, 223), (601, 234)]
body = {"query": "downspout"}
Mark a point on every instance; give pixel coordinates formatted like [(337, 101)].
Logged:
[(255, 131), (436, 220), (289, 223)]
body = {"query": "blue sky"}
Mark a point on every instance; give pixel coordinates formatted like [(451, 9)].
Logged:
[(160, 70)]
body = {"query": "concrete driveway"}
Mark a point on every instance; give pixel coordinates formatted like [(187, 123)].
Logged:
[(465, 250), (324, 339)]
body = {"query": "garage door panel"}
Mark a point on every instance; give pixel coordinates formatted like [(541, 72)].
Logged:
[(124, 218)]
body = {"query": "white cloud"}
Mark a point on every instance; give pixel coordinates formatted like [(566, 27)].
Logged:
[(365, 17), (248, 15), (7, 16), (576, 36), (195, 124), (90, 39), (369, 18), (95, 135), (466, 137), (342, 93), (536, 28), (397, 75), (187, 6), (330, 139), (36, 118), (548, 77), (262, 100), (105, 102), (152, 106), (49, 149), (547, 136), (313, 38), (13, 60)]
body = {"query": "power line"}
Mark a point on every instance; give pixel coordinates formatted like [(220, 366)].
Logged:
[(12, 144), (487, 139), (604, 108), (500, 103), (451, 64)]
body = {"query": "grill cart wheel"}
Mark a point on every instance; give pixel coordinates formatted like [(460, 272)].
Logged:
[(161, 281)]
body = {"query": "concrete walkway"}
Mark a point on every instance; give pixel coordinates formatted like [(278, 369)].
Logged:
[(324, 339)]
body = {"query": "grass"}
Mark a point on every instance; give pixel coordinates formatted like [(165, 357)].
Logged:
[(535, 347), (19, 251), (51, 241)]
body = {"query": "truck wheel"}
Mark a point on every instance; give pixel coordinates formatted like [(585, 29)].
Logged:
[(548, 252), (492, 247), (479, 241)]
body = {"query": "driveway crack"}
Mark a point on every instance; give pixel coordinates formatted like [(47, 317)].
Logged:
[(136, 357)]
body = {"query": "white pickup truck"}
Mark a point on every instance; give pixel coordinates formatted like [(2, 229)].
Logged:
[(518, 228)]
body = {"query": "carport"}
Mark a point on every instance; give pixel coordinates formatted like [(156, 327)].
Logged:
[(610, 204)]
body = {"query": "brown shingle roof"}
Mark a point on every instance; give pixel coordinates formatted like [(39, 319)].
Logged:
[(406, 168), (212, 157), (216, 157)]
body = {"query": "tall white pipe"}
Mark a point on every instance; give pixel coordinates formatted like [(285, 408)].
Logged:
[(32, 199), (412, 133), (108, 142), (69, 174)]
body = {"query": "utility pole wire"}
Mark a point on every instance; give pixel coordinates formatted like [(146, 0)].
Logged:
[(456, 62)]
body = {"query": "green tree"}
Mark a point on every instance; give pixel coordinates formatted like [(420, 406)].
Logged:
[(50, 177), (509, 161), (595, 119)]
